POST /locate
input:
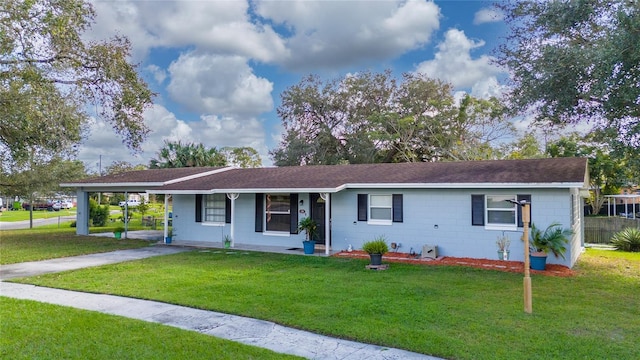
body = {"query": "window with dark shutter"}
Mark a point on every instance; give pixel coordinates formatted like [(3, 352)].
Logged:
[(362, 207), (259, 212), (293, 206), (397, 207), (526, 197), (198, 208), (477, 210), (227, 210)]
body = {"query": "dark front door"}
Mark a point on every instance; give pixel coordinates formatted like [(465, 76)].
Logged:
[(318, 215)]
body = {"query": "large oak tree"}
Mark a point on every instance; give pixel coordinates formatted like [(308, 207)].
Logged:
[(374, 117), (576, 61), (51, 77)]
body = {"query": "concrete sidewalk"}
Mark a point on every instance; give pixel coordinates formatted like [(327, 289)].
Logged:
[(236, 328)]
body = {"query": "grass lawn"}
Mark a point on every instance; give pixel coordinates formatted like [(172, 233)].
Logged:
[(19, 215), (451, 312), (43, 243), (32, 330)]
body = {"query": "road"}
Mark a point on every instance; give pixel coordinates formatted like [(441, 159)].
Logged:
[(24, 224)]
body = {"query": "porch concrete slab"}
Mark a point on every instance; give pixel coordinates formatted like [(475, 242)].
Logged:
[(248, 331), (34, 268)]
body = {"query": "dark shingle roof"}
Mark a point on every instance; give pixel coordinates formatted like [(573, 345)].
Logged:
[(531, 171)]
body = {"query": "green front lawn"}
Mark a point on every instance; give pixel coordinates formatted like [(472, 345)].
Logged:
[(40, 244), (21, 215), (451, 312), (32, 330)]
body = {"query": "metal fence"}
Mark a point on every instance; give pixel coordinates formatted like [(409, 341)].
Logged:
[(599, 230)]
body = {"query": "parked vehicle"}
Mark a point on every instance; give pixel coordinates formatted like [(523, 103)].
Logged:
[(130, 203), (46, 205), (63, 204)]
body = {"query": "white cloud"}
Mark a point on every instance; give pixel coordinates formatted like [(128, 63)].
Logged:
[(211, 131), (336, 33), (453, 63), (158, 74), (487, 15), (218, 85), (223, 27)]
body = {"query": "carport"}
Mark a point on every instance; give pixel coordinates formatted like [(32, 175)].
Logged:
[(131, 182)]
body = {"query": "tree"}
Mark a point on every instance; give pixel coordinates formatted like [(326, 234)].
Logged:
[(243, 157), (40, 179), (606, 167), (575, 61), (526, 147), (118, 167), (372, 117), (49, 75)]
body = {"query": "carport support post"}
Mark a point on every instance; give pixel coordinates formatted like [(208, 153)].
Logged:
[(82, 212), (526, 217), (233, 197), (126, 213), (166, 217), (327, 222)]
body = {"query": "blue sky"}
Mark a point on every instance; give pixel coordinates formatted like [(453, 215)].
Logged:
[(219, 66)]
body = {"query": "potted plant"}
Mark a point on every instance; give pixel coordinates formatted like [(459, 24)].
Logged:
[(503, 243), (117, 232), (553, 239), (310, 227), (170, 232), (376, 248), (227, 241)]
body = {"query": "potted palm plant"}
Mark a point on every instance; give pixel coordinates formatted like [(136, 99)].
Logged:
[(376, 248), (553, 239), (117, 232), (310, 227)]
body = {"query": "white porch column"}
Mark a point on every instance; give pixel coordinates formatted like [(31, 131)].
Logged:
[(327, 221), (233, 197), (126, 213), (82, 213), (166, 217)]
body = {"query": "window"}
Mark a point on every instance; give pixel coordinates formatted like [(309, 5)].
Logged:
[(500, 211), (497, 212), (278, 212), (214, 208), (383, 209), (380, 208)]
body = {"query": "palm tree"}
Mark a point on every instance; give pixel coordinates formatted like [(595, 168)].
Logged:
[(177, 155)]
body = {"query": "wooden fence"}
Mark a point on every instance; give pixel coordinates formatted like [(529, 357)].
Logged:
[(599, 230)]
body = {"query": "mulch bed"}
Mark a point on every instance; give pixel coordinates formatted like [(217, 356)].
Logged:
[(499, 265)]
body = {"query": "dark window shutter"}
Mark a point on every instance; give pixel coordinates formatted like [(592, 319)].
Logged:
[(198, 208), (293, 209), (362, 207), (227, 210), (477, 210), (397, 207), (528, 199), (259, 212)]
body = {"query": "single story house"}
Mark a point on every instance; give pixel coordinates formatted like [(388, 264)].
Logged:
[(460, 207)]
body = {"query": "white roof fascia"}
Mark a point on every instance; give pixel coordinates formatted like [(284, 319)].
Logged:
[(463, 186), (102, 185), (198, 175), (245, 191)]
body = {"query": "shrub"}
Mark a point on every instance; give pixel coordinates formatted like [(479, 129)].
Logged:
[(98, 214), (627, 240), (73, 224), (376, 246)]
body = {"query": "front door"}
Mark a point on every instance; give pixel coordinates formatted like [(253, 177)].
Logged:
[(318, 207)]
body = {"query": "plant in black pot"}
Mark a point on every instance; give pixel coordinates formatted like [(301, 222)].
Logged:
[(310, 227), (376, 248), (553, 239)]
